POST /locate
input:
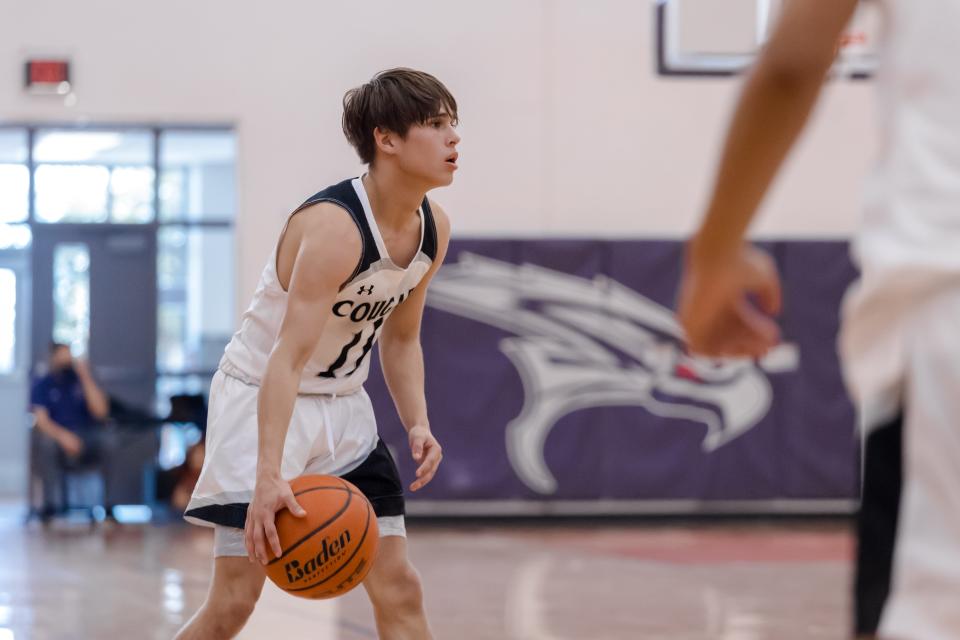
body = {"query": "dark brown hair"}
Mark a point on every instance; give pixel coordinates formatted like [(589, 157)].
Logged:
[(394, 100)]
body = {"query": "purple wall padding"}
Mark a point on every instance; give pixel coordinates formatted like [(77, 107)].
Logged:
[(554, 371)]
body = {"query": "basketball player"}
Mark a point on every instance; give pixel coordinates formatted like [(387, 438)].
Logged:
[(351, 266), (900, 339)]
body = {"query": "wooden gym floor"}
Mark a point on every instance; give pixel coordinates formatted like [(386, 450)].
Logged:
[(686, 581)]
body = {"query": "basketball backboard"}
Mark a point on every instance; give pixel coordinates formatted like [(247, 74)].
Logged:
[(721, 37)]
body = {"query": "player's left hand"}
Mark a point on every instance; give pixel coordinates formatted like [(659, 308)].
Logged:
[(426, 452), (726, 303)]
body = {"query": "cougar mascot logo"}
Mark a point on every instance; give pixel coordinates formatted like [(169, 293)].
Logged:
[(582, 343)]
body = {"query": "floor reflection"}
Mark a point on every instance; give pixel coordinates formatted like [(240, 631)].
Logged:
[(601, 582)]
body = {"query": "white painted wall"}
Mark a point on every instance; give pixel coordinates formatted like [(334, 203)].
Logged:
[(566, 128)]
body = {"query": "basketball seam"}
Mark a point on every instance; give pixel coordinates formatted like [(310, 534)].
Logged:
[(300, 493), (366, 530), (332, 592), (343, 486), (318, 529)]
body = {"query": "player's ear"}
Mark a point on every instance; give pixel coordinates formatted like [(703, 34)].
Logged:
[(386, 141)]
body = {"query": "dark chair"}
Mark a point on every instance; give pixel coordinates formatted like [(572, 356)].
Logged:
[(82, 485), (189, 409)]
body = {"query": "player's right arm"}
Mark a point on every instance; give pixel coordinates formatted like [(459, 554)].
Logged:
[(328, 252), (775, 105)]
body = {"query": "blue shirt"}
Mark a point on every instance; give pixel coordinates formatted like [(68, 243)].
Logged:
[(61, 394)]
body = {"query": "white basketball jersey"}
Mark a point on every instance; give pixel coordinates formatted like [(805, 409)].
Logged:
[(912, 216), (907, 246), (340, 362)]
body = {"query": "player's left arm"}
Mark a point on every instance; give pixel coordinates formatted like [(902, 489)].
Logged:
[(401, 358)]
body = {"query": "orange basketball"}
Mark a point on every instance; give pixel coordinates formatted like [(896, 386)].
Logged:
[(330, 550)]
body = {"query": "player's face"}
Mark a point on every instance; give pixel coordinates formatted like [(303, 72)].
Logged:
[(429, 150)]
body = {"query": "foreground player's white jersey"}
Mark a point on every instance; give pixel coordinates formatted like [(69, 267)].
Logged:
[(340, 362), (913, 198)]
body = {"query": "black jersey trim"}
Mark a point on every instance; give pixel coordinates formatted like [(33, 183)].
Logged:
[(429, 247), (344, 196)]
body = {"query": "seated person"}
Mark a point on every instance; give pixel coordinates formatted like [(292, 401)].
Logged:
[(176, 485), (68, 409)]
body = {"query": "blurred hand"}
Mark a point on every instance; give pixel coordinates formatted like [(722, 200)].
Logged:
[(270, 495), (82, 367), (71, 444), (426, 453), (725, 305)]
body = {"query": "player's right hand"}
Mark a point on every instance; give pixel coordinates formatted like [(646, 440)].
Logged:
[(271, 494), (726, 303)]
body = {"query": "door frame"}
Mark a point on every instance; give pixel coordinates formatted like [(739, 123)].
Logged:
[(15, 386)]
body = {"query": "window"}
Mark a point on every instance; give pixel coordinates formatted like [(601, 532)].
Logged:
[(195, 311), (71, 193), (71, 296), (15, 236), (197, 175), (13, 146), (195, 257), (131, 194), (181, 182), (14, 176), (8, 317), (94, 176)]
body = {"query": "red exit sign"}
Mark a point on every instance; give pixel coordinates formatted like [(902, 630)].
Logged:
[(47, 76)]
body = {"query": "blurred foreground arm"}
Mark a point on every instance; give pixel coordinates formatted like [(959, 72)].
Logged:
[(720, 272)]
